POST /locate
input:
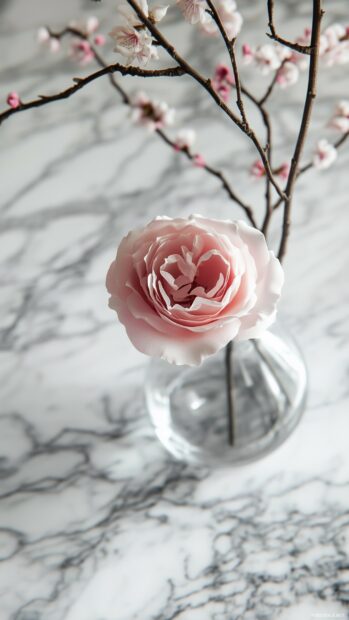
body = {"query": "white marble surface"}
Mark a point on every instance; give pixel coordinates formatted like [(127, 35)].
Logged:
[(96, 521)]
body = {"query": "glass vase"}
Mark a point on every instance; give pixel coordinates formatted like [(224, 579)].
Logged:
[(238, 406)]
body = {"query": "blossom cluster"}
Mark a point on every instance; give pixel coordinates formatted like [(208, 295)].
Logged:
[(325, 153), (334, 50), (151, 114), (223, 81), (197, 12), (80, 49)]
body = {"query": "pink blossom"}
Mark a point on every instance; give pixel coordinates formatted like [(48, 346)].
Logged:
[(13, 100), (287, 74), (257, 169), (199, 161), (134, 45), (81, 52), (184, 288), (325, 155), (99, 40), (283, 171), (224, 73), (222, 81), (185, 139), (247, 53), (151, 114)]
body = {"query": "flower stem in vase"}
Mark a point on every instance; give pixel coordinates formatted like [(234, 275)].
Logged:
[(230, 395)]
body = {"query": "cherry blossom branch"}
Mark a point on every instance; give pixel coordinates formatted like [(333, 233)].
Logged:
[(85, 37), (308, 106), (310, 165), (230, 45), (302, 49), (106, 70), (206, 84), (82, 82), (216, 173)]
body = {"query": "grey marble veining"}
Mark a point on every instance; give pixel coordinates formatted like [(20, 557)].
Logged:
[(96, 521)]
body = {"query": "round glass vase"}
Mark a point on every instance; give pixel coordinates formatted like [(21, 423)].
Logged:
[(238, 406)]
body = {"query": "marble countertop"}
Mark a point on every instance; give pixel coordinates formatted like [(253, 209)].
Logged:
[(97, 522)]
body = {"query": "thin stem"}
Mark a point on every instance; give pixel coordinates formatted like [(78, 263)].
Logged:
[(336, 145), (206, 84), (216, 173), (230, 394), (271, 85), (268, 152), (230, 45), (308, 106), (310, 165), (82, 82), (302, 49)]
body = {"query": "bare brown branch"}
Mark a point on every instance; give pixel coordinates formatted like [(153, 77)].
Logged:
[(206, 84), (216, 173), (82, 82), (307, 110), (271, 85), (302, 49), (230, 45)]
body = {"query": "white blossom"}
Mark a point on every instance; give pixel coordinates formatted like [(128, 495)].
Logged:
[(134, 45), (194, 11), (156, 14), (131, 38), (334, 47), (92, 24), (151, 114), (267, 58), (230, 18), (341, 123), (185, 139), (324, 155), (44, 38)]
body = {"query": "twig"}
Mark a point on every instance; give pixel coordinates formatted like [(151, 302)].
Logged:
[(302, 49), (272, 84), (84, 36), (216, 173), (230, 45), (206, 84), (308, 106), (82, 82), (336, 145), (268, 150), (310, 165)]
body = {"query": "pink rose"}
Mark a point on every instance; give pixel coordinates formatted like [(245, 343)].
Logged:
[(184, 288)]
